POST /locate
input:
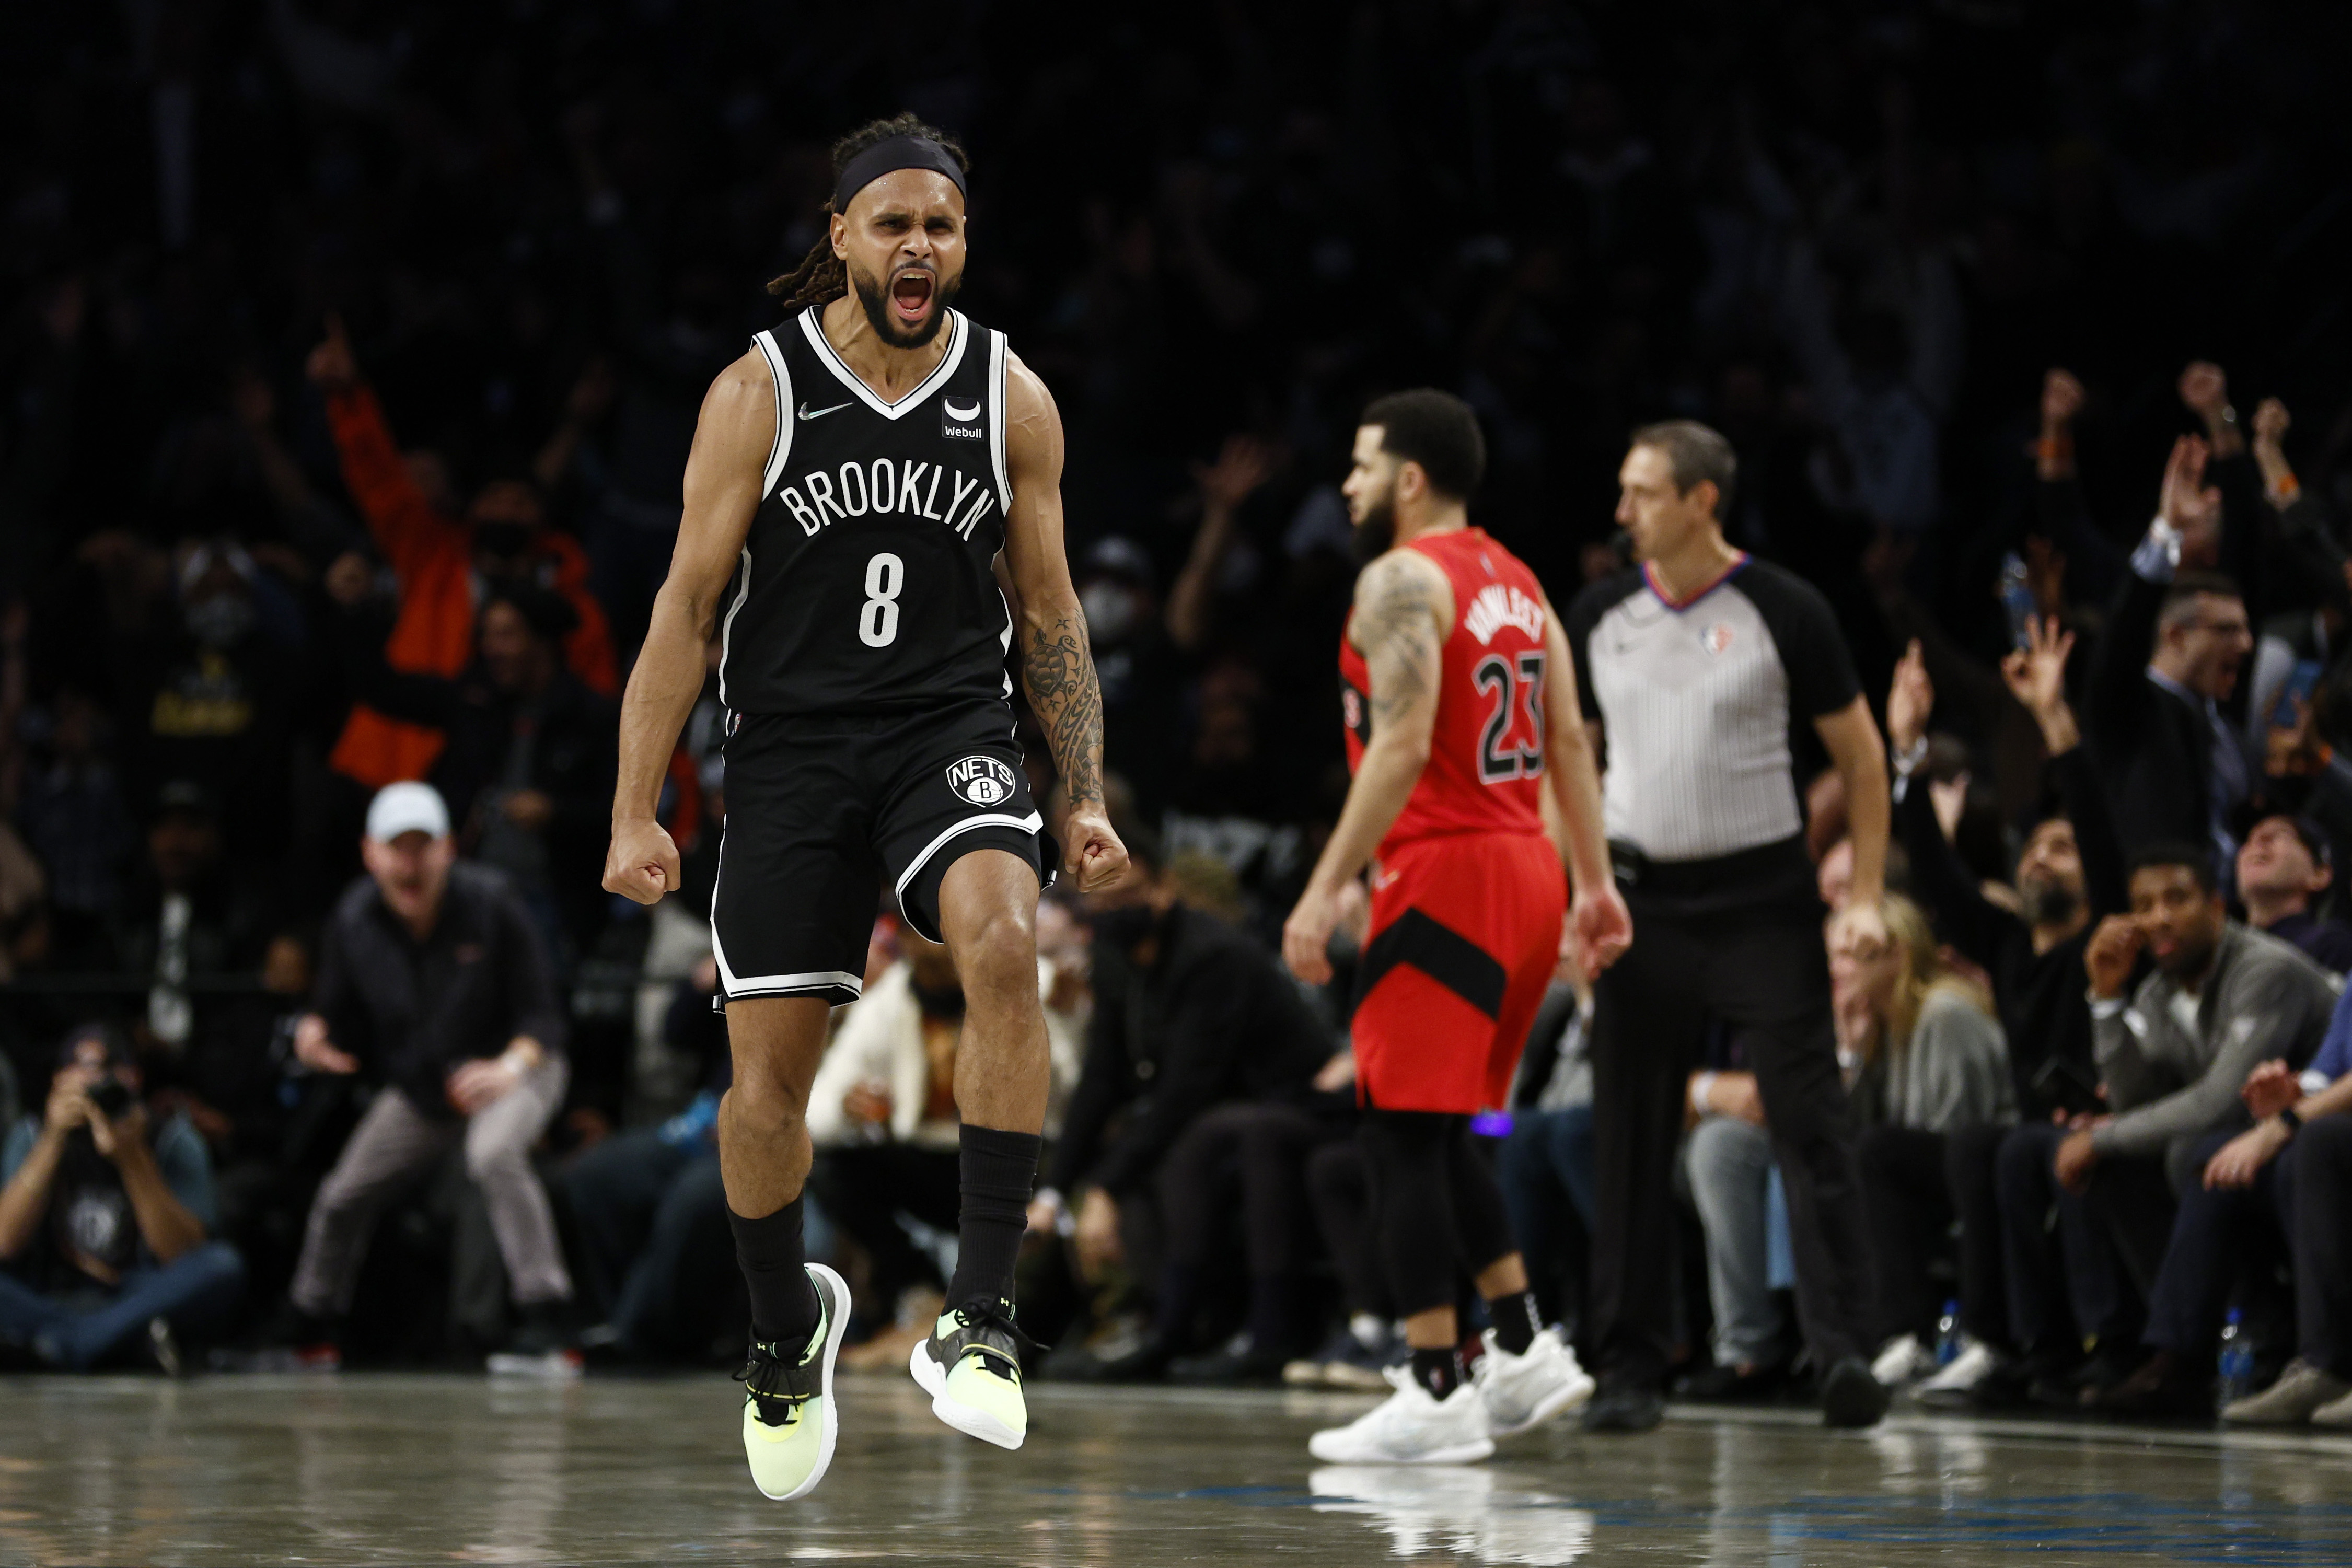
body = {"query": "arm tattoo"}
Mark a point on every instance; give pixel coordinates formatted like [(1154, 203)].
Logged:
[(1059, 672), (1397, 628)]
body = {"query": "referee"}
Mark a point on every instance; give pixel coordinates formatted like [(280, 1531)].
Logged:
[(1697, 665)]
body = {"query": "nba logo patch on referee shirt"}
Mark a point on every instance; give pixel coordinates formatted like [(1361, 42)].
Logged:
[(1716, 638), (980, 781)]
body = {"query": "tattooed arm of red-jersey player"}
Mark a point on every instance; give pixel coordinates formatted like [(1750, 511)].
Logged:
[(1599, 928)]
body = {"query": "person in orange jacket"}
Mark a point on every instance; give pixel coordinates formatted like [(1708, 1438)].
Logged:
[(442, 562)]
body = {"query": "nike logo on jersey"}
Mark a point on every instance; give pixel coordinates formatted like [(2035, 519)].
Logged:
[(808, 412)]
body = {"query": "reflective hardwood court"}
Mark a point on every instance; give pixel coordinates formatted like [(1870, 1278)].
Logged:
[(412, 1470)]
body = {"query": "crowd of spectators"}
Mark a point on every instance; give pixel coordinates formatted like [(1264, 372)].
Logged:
[(351, 358)]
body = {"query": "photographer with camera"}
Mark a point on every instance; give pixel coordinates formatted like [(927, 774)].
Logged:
[(105, 1222)]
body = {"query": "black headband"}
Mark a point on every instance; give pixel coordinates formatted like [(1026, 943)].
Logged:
[(889, 158)]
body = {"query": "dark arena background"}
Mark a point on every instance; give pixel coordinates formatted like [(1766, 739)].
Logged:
[(350, 361)]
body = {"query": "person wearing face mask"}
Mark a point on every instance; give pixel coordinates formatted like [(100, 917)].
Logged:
[(445, 564), (211, 700), (1190, 1014)]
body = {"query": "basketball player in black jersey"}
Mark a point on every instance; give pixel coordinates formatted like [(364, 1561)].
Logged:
[(872, 517)]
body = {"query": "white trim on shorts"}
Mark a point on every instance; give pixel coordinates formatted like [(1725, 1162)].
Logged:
[(1033, 822), (812, 981)]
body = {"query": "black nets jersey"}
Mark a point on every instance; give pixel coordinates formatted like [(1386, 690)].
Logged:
[(866, 583)]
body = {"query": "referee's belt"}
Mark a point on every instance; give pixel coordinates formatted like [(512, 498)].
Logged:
[(1764, 866)]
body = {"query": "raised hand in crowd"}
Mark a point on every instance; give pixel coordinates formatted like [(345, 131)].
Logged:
[(2296, 751), (2205, 391), (2190, 506), (2061, 401), (349, 579), (2036, 674), (591, 397), (1909, 700), (2046, 576), (333, 367), (1243, 463), (2272, 423)]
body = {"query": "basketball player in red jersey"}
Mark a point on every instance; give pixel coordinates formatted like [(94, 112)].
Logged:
[(1462, 726)]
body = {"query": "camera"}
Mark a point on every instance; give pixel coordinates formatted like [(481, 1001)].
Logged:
[(110, 1097)]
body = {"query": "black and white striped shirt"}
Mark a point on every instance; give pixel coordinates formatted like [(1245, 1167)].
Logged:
[(1696, 699)]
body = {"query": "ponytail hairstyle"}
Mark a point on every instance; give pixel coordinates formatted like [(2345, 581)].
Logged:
[(821, 279)]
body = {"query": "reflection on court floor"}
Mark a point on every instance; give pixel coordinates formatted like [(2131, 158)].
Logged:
[(391, 1468)]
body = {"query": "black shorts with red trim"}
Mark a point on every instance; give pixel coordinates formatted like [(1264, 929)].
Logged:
[(823, 813), (1464, 940)]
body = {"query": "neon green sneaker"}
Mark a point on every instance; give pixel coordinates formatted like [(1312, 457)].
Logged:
[(970, 1366), (790, 1419)]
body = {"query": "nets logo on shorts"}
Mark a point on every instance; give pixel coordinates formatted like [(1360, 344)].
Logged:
[(980, 781)]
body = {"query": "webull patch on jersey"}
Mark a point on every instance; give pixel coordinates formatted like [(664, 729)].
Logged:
[(981, 780), (960, 420)]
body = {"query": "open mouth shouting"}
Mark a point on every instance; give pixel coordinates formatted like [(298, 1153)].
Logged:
[(912, 290)]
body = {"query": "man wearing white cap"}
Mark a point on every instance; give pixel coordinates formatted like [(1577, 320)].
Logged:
[(432, 981)]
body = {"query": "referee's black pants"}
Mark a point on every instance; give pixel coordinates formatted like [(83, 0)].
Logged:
[(1760, 967)]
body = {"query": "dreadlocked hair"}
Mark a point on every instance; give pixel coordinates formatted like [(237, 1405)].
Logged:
[(820, 279)]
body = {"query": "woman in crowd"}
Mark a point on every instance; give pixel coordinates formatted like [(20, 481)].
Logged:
[(1926, 1059)]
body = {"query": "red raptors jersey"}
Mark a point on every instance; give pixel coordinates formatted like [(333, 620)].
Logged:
[(1485, 772)]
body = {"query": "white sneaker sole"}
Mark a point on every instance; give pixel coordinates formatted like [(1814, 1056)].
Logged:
[(1464, 1453), (836, 1324), (1574, 1396), (934, 1380)]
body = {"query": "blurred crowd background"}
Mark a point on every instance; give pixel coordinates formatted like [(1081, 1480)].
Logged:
[(352, 353)]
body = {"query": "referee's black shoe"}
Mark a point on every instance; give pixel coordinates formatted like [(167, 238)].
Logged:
[(1625, 1404), (1850, 1396)]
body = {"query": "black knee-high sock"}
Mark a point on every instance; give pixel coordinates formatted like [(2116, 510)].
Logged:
[(769, 1250), (998, 1170), (1518, 1321)]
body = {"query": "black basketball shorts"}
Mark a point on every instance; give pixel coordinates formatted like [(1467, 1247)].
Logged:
[(823, 813)]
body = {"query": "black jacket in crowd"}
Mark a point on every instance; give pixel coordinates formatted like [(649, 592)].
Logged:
[(1213, 1020), (2154, 747), (2043, 998), (413, 1011)]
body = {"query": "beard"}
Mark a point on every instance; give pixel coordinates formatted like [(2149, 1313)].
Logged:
[(876, 298), (2049, 902), (1376, 535)]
